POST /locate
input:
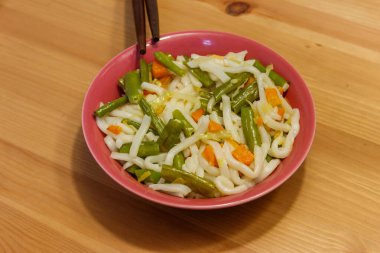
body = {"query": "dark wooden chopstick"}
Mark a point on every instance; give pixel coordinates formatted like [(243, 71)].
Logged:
[(152, 11), (139, 17)]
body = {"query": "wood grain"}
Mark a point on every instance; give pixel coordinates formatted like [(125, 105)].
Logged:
[(55, 198)]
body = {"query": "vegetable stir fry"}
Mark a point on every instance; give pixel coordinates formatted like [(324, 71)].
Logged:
[(200, 126)]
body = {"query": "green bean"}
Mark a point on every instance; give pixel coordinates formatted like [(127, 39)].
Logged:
[(171, 57), (268, 158), (204, 97), (110, 106), (137, 125), (199, 74), (250, 131), (248, 93), (276, 78), (132, 86), (188, 129), (150, 72), (197, 184), (147, 148), (144, 71), (170, 135), (229, 86), (121, 82), (156, 121), (204, 102), (168, 62), (179, 161), (131, 123), (205, 94), (132, 169), (147, 176)]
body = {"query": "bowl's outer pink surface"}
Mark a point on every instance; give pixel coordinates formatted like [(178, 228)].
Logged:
[(104, 88)]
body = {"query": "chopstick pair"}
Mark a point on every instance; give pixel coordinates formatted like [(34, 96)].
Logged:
[(139, 16)]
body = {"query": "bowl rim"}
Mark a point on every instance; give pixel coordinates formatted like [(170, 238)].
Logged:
[(205, 206)]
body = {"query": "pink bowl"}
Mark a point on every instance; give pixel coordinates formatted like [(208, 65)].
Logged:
[(104, 88)]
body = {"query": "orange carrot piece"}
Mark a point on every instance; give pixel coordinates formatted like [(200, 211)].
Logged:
[(233, 143), (114, 129), (214, 127), (259, 121), (281, 111), (272, 97), (146, 92), (166, 80), (280, 89), (242, 154), (159, 70), (209, 155), (196, 115), (249, 81)]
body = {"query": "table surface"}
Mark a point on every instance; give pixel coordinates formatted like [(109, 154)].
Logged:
[(55, 198)]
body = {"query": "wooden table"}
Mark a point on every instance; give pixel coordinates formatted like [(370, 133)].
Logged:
[(55, 198)]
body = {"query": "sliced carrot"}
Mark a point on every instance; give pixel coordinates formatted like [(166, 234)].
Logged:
[(280, 89), (196, 115), (146, 92), (249, 81), (214, 127), (272, 97), (159, 70), (242, 154), (259, 121), (233, 143), (281, 111), (114, 129), (209, 155), (166, 80)]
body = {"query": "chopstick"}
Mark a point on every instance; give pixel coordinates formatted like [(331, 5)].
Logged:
[(152, 10), (139, 17)]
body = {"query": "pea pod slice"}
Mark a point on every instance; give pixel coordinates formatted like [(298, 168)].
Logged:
[(147, 176), (197, 184)]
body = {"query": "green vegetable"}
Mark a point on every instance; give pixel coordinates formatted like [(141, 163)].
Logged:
[(147, 176), (204, 98), (170, 135), (168, 62), (197, 184), (229, 86), (268, 158), (188, 129), (150, 72), (250, 131), (137, 125), (156, 121), (276, 78), (132, 169), (110, 106), (219, 136), (132, 86), (144, 71), (147, 148), (248, 93), (131, 123), (178, 161), (121, 83), (199, 74)]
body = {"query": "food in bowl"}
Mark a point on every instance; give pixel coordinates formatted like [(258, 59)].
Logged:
[(200, 126)]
